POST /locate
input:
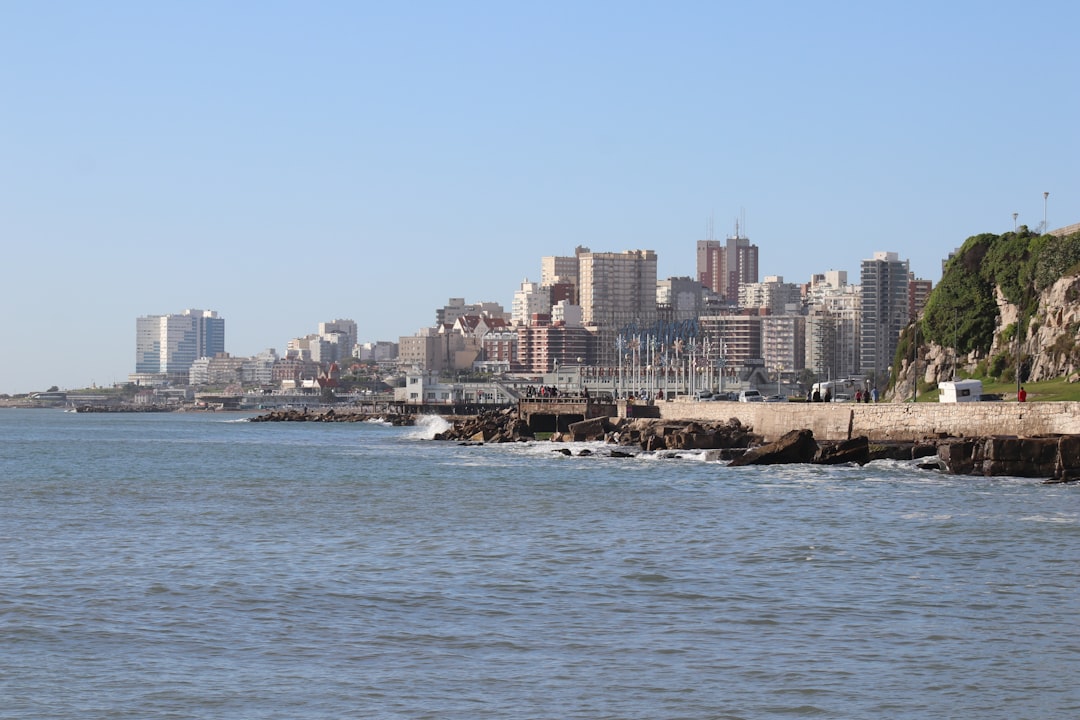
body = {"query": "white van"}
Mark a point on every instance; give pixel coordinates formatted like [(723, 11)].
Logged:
[(750, 396)]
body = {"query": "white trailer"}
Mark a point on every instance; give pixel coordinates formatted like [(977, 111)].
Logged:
[(960, 391)]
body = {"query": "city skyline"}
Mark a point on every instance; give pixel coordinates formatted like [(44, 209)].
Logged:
[(359, 160)]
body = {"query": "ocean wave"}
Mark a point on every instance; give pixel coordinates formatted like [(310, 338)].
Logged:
[(427, 427)]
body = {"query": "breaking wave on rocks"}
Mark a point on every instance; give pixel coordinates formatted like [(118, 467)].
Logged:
[(427, 427)]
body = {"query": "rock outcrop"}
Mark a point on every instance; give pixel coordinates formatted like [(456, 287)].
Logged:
[(305, 415), (656, 435), (797, 446), (855, 450), (1053, 458), (495, 426)]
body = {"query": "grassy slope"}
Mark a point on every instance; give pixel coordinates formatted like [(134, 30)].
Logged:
[(1057, 389)]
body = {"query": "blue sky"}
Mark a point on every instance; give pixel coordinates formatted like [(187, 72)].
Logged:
[(287, 163)]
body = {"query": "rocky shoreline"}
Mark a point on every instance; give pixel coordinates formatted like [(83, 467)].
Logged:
[(331, 416), (1055, 459)]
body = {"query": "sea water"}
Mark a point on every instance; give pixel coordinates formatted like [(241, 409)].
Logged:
[(200, 566)]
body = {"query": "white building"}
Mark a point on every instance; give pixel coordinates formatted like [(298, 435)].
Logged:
[(566, 313), (379, 351), (771, 293), (530, 299), (832, 325), (167, 345)]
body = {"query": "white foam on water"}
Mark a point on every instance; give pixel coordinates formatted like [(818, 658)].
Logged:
[(427, 427)]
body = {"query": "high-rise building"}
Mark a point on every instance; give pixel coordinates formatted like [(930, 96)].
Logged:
[(832, 325), (918, 294), (737, 338), (711, 265), (724, 267), (884, 311), (783, 343), (741, 265), (168, 345), (618, 288)]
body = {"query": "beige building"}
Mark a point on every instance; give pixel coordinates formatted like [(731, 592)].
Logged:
[(557, 269), (618, 288)]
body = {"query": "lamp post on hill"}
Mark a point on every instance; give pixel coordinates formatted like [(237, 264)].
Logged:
[(915, 366)]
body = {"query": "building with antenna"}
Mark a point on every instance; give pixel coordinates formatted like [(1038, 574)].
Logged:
[(724, 267)]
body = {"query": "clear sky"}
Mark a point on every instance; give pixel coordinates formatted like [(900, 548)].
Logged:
[(286, 163)]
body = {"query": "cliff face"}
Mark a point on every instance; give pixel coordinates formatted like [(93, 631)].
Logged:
[(1052, 340), (1049, 349)]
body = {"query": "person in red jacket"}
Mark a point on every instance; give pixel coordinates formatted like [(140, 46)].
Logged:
[(1021, 394)]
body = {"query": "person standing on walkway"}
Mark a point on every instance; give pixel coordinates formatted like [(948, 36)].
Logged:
[(1021, 394)]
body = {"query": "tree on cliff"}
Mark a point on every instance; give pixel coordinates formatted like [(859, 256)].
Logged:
[(962, 311)]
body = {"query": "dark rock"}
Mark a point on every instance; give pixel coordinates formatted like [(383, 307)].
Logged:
[(855, 450), (797, 446), (589, 430), (958, 456), (654, 443)]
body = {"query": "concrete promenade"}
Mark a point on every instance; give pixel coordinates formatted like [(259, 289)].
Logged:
[(886, 421)]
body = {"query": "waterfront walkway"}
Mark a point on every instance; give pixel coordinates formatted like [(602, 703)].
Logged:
[(839, 421)]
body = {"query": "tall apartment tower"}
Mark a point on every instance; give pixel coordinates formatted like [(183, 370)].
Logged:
[(724, 267), (618, 288), (711, 265), (169, 344), (832, 324), (742, 265), (885, 311), (918, 294)]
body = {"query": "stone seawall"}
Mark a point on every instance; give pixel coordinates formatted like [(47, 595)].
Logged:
[(887, 421)]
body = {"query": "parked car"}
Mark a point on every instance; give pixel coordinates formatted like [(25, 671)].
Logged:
[(750, 396)]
